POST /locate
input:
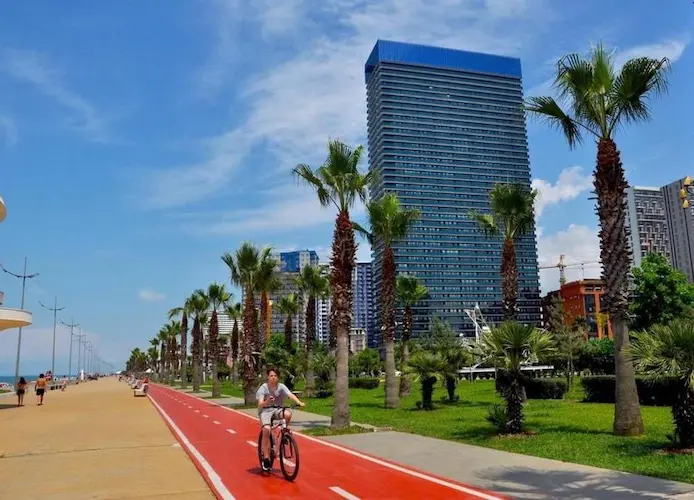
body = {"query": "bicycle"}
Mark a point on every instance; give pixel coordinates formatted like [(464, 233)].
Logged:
[(288, 450)]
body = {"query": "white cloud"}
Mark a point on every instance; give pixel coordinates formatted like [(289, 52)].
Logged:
[(569, 185), (31, 67), (579, 244), (8, 131), (295, 106), (149, 295)]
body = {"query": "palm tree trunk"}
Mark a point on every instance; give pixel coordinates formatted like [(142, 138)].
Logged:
[(405, 382), (195, 348), (450, 387), (513, 394), (388, 324), (162, 357), (264, 330), (249, 330), (288, 333), (610, 186), (343, 256), (235, 352), (184, 351), (310, 338), (683, 415), (428, 392), (509, 279), (213, 349)]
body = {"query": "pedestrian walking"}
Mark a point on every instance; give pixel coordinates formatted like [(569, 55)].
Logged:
[(40, 389), (21, 390)]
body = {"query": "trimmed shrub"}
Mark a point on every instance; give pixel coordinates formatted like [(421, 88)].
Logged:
[(363, 383), (600, 389), (536, 388)]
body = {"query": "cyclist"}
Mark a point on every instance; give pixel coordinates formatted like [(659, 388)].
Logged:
[(270, 398)]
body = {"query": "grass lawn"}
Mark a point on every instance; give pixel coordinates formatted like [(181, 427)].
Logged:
[(567, 430)]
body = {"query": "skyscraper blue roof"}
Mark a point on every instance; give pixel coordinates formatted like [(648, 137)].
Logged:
[(409, 53)]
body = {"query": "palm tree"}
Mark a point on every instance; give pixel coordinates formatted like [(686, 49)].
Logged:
[(163, 339), (510, 346), (389, 223), (173, 330), (600, 99), (154, 342), (199, 305), (426, 367), (339, 182), (312, 283), (267, 282), (183, 312), (409, 291), (244, 267), (511, 214), (218, 298), (152, 357), (288, 305), (667, 352), (234, 313)]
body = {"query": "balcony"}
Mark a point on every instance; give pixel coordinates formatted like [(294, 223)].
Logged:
[(13, 318), (3, 209)]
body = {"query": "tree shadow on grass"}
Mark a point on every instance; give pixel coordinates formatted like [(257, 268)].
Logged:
[(526, 483)]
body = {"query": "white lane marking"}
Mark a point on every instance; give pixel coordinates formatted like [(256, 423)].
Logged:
[(205, 416), (343, 493), (252, 443), (231, 431), (419, 475), (216, 481), (197, 411), (215, 422)]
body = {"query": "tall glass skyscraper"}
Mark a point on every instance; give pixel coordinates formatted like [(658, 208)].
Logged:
[(444, 126)]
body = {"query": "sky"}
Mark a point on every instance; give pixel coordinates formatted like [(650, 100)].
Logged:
[(141, 140)]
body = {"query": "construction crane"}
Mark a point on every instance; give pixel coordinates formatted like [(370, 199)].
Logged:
[(561, 265)]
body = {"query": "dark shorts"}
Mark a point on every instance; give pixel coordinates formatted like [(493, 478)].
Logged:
[(39, 392)]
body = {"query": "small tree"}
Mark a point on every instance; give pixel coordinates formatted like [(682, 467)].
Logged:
[(668, 352), (427, 367), (568, 339), (409, 291), (662, 293)]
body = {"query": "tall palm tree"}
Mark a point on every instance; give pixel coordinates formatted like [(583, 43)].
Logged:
[(338, 182), (217, 298), (173, 330), (234, 312), (512, 216), (183, 312), (152, 357), (244, 267), (667, 352), (289, 305), (154, 342), (600, 99), (199, 305), (409, 291), (510, 346), (312, 283), (268, 282), (163, 340), (389, 222)]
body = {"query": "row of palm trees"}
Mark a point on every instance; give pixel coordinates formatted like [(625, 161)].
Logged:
[(596, 98)]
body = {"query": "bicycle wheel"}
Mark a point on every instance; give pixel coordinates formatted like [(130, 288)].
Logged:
[(289, 457), (260, 450)]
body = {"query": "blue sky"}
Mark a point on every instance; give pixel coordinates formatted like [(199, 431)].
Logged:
[(140, 140)]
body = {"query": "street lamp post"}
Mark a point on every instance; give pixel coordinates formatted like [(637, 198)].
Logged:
[(55, 310), (72, 325), (24, 276), (687, 192)]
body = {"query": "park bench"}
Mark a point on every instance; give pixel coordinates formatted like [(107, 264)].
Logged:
[(140, 391)]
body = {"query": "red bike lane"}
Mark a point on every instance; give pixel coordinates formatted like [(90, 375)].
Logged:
[(222, 443)]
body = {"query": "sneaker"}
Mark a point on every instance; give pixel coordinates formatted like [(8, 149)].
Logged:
[(267, 464)]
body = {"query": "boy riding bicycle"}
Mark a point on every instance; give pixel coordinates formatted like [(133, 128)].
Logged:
[(270, 398)]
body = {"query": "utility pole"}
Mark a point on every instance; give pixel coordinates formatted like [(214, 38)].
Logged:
[(71, 326), (55, 310), (79, 351), (24, 277)]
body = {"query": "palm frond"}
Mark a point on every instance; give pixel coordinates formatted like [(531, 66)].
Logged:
[(306, 175), (486, 222), (548, 110)]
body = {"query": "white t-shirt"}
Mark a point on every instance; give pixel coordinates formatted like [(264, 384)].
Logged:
[(280, 393)]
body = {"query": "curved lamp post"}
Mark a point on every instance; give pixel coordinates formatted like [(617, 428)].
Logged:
[(687, 192)]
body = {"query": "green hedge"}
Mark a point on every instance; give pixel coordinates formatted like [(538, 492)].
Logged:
[(600, 389), (364, 383), (536, 388)]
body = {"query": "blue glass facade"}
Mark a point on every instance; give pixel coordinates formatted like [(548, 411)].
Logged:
[(443, 127), (293, 262)]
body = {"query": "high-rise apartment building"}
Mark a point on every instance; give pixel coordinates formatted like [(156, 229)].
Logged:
[(647, 221), (290, 265), (363, 300), (444, 126), (680, 224), (323, 310)]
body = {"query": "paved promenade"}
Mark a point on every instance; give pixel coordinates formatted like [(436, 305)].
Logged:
[(94, 441)]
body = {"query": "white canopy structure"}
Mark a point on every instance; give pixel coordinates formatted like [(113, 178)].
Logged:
[(14, 318)]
